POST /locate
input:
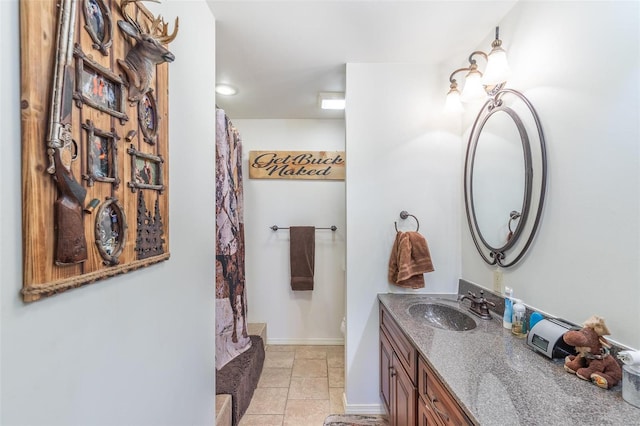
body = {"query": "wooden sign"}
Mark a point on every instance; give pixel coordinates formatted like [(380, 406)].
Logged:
[(318, 165)]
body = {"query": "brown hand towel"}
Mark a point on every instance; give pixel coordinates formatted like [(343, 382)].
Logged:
[(302, 247), (409, 260)]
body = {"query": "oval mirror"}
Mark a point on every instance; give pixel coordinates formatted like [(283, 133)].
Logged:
[(505, 178), (110, 231)]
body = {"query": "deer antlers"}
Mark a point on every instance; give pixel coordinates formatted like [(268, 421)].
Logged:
[(159, 28)]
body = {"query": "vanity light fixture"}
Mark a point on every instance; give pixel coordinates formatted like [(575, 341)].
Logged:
[(226, 90), (331, 100), (476, 84)]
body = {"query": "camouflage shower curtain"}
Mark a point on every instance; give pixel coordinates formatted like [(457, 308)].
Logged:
[(231, 303)]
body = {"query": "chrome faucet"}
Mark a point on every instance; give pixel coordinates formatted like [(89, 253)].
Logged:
[(478, 304)]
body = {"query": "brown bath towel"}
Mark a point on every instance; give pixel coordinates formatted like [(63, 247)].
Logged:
[(410, 259), (302, 248)]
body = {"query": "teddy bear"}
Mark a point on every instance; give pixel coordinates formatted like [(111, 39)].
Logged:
[(593, 361)]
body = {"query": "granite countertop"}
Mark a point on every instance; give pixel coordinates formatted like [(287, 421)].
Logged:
[(499, 380)]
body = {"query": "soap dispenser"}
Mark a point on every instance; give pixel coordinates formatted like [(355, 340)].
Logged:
[(508, 310), (518, 320)]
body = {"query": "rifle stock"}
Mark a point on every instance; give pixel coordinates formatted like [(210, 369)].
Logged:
[(71, 244)]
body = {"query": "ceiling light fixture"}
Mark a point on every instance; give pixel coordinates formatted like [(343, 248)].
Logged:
[(226, 90), (331, 100), (476, 85)]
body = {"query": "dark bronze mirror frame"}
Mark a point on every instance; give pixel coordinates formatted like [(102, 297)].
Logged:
[(535, 174)]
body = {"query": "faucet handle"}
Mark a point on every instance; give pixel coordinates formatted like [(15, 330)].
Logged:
[(485, 301), (482, 299)]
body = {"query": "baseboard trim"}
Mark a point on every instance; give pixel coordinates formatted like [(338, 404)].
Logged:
[(362, 408), (310, 342)]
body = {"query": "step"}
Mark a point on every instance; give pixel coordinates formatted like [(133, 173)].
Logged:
[(239, 378), (223, 410), (258, 329)]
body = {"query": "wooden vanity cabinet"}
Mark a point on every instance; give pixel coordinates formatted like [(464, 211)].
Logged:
[(428, 403), (397, 373), (426, 417), (386, 359), (434, 400)]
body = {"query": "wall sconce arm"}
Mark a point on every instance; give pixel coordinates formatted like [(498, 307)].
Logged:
[(453, 80), (477, 52)]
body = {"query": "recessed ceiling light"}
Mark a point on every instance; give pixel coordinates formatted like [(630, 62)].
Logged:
[(226, 90), (331, 100)]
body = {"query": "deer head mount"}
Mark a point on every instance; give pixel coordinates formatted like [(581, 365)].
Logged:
[(147, 51)]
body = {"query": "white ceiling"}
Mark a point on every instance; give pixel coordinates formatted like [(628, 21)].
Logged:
[(280, 54)]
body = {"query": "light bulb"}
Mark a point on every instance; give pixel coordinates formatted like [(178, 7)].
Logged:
[(452, 104), (473, 89), (498, 70), (225, 90)]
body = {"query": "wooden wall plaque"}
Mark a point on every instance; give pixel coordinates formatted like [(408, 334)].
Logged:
[(317, 165), (69, 246)]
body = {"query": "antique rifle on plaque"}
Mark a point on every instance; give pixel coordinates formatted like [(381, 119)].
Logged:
[(71, 244), (146, 53)]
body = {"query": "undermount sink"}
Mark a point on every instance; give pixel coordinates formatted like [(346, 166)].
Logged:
[(442, 316)]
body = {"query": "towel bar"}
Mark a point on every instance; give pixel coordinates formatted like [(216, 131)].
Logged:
[(403, 215), (276, 227)]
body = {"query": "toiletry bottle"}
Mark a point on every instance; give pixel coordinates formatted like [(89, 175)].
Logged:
[(508, 310), (518, 321)]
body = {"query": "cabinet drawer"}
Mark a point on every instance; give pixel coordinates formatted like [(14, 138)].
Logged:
[(407, 354), (438, 398), (426, 415)]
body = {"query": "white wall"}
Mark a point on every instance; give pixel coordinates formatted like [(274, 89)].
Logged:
[(577, 62), (135, 349), (398, 159), (294, 317)]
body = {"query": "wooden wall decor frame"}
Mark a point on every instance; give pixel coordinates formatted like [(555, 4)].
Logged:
[(99, 87), (101, 144), (58, 124), (146, 171), (98, 24)]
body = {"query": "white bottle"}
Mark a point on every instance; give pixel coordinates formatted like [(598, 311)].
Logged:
[(508, 310), (518, 320)]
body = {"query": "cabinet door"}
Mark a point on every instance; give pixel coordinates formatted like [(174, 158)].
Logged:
[(402, 346), (403, 396), (386, 354)]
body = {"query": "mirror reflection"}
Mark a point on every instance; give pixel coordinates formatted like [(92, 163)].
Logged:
[(498, 179)]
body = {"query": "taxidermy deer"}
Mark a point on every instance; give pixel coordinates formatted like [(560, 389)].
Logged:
[(146, 53)]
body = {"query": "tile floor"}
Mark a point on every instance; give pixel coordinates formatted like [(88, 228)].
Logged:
[(299, 386)]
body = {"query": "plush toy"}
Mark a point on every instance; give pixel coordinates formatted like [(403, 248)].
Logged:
[(593, 361)]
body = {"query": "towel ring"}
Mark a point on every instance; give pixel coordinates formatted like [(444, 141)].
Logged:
[(403, 215), (513, 216)]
